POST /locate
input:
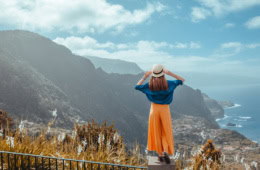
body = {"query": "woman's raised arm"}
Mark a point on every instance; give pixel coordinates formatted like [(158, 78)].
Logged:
[(146, 75), (173, 75)]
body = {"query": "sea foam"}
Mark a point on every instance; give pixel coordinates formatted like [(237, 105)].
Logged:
[(235, 105), (241, 117), (225, 116)]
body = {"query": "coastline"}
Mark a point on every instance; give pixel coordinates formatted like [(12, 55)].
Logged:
[(238, 120), (235, 105)]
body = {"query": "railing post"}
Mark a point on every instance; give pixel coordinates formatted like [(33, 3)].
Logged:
[(42, 163), (49, 163), (56, 162), (28, 162), (14, 161), (22, 161), (63, 165), (2, 161), (8, 157), (35, 163)]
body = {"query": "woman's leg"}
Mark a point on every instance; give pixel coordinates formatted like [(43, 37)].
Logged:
[(155, 130), (164, 142), (167, 135)]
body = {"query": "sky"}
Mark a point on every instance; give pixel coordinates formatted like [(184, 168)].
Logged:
[(213, 37)]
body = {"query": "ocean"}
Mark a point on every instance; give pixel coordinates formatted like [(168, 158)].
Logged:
[(246, 112)]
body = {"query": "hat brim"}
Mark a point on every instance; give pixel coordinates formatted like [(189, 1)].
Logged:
[(158, 75)]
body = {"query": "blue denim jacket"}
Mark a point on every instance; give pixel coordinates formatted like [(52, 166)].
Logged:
[(162, 96)]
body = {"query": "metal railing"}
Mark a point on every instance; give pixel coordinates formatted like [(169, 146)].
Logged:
[(22, 161)]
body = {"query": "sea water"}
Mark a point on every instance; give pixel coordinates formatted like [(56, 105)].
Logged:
[(246, 112)]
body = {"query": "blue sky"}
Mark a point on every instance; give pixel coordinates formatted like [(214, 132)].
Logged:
[(218, 37)]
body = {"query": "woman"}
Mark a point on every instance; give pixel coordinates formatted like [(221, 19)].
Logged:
[(160, 92)]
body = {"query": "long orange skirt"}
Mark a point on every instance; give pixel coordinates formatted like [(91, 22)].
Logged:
[(160, 137)]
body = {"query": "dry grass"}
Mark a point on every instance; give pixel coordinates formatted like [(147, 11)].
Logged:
[(93, 142), (207, 158), (99, 143)]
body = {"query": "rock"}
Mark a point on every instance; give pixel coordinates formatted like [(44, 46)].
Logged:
[(231, 124), (115, 65), (154, 164), (215, 108), (226, 104)]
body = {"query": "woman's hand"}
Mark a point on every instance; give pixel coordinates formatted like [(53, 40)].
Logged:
[(173, 75), (166, 71), (182, 79)]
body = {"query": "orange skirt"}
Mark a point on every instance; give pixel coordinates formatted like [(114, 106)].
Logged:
[(160, 137)]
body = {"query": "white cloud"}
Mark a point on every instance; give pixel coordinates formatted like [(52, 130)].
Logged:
[(198, 14), (85, 42), (233, 48), (180, 45), (221, 7), (239, 45), (253, 23), (194, 45), (255, 45), (229, 25), (231, 45), (78, 43), (73, 16), (144, 53), (150, 45), (147, 53), (229, 49)]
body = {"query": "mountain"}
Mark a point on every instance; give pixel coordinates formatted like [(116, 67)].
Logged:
[(41, 76), (27, 94), (42, 81), (115, 65), (215, 108)]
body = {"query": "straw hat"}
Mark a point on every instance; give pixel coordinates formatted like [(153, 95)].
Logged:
[(157, 70)]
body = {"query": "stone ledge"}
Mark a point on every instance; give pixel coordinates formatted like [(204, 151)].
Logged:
[(154, 164)]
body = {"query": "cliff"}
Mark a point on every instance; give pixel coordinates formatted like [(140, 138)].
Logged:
[(115, 65), (41, 76), (215, 108)]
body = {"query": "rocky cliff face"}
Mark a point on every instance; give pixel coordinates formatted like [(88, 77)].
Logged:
[(27, 94), (38, 76), (43, 76), (226, 104), (115, 65), (215, 108)]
